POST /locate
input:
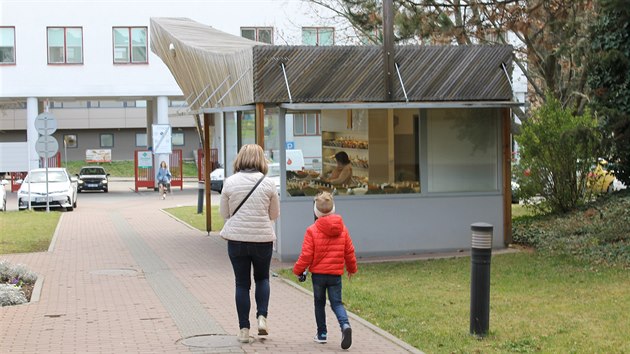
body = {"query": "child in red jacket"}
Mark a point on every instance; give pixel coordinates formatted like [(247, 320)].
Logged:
[(326, 249)]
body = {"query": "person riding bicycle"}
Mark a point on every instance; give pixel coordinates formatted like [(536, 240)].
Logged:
[(164, 179)]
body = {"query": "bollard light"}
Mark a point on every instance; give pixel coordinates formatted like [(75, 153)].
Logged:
[(481, 254)]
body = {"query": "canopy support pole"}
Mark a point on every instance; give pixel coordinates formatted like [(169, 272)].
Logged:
[(215, 91), (286, 82), (231, 87), (401, 82)]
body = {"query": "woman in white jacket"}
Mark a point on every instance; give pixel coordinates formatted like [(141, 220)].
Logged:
[(249, 232)]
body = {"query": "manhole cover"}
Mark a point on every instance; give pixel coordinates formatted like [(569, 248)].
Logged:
[(119, 271), (210, 341)]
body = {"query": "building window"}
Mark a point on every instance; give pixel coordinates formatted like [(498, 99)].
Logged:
[(72, 104), (70, 141), (7, 45), (177, 138), (130, 45), (65, 45), (108, 104), (107, 140), (463, 150), (141, 139), (306, 124), (318, 36), (258, 34), (176, 103)]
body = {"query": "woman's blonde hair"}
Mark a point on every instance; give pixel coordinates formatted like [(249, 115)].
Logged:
[(251, 157)]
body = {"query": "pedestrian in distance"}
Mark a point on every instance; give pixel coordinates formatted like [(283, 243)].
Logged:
[(326, 249), (249, 205), (164, 179)]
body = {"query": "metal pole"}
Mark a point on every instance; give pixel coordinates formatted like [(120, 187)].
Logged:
[(200, 194), (481, 255)]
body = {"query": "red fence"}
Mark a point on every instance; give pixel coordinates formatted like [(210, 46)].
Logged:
[(54, 161), (176, 166), (144, 172), (15, 178), (214, 162)]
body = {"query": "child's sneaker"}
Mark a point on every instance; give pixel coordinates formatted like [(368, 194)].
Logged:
[(346, 336), (321, 338)]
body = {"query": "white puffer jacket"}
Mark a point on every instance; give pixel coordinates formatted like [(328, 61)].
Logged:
[(254, 220)]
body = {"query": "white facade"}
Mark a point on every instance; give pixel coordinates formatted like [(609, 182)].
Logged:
[(98, 76), (32, 81)]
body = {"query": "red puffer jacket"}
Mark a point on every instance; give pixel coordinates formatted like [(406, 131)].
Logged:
[(327, 247)]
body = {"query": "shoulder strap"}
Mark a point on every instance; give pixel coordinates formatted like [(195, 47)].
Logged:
[(248, 194)]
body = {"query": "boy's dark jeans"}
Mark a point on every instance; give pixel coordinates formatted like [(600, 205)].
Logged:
[(332, 283), (243, 256)]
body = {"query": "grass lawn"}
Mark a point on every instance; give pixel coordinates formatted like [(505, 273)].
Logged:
[(189, 215), (27, 231), (519, 210), (538, 304), (124, 168)]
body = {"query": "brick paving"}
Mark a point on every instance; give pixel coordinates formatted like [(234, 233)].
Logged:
[(124, 277)]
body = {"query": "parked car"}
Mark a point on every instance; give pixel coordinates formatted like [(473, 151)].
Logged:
[(217, 176), (3, 195), (93, 178), (62, 189), (216, 180)]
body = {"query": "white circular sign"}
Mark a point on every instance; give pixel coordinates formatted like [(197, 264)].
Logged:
[(46, 146), (45, 123)]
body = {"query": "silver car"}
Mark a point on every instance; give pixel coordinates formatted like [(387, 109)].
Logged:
[(62, 189)]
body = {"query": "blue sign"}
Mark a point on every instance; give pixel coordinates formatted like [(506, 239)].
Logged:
[(290, 145)]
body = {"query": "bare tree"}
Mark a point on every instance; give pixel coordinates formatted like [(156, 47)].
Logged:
[(550, 36)]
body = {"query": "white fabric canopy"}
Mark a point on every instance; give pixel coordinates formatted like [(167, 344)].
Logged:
[(203, 59)]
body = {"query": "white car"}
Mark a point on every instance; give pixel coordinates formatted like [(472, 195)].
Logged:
[(217, 176), (62, 189), (3, 195)]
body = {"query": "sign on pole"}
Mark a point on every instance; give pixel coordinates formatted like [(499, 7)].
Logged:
[(162, 139), (45, 123), (46, 146)]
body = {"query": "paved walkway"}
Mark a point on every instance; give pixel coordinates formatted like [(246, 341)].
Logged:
[(123, 277)]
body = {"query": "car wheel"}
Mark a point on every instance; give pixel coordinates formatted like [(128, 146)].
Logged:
[(105, 190), (74, 205)]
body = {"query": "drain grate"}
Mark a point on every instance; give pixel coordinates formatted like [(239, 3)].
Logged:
[(128, 272)]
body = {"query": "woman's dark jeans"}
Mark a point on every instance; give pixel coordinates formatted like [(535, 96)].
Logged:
[(332, 283), (243, 256)]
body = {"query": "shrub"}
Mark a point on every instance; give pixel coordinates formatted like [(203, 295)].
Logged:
[(12, 278), (557, 151), (11, 295), (598, 233)]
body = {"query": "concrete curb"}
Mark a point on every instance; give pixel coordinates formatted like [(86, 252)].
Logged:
[(37, 289), (381, 332), (51, 247), (181, 221)]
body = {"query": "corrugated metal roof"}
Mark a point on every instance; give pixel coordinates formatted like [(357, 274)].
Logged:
[(225, 70), (355, 73)]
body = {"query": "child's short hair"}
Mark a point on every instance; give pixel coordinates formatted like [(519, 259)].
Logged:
[(324, 204)]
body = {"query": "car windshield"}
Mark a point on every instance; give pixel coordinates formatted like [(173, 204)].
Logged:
[(40, 177), (92, 171)]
